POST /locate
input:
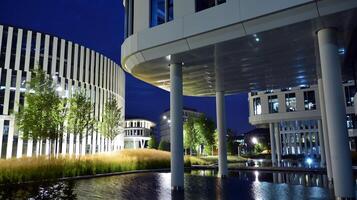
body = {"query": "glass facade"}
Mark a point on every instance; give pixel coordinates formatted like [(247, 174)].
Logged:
[(349, 94), (161, 11), (290, 102), (309, 100), (273, 104), (257, 106), (205, 4)]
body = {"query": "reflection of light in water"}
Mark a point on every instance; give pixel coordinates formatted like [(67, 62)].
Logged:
[(165, 186), (256, 174)]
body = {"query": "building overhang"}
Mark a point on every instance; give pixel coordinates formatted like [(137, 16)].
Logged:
[(272, 51)]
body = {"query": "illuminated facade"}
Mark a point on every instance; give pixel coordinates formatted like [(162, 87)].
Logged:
[(72, 67), (296, 112), (137, 133)]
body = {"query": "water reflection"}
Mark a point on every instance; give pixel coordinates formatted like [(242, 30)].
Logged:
[(199, 184)]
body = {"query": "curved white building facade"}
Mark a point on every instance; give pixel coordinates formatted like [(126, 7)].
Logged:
[(137, 133), (72, 66)]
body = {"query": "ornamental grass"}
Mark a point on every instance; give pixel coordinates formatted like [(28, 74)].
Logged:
[(44, 168)]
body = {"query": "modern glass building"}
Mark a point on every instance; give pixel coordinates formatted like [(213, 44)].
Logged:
[(137, 133), (73, 67), (220, 47)]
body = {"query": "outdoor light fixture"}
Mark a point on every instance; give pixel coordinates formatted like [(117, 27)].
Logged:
[(309, 161), (59, 89), (254, 140), (169, 121), (168, 57), (164, 117)]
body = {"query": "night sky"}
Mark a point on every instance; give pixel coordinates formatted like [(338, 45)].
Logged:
[(98, 24)]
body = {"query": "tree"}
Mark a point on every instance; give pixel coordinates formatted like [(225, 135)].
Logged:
[(40, 118), (230, 145), (112, 120), (206, 127), (164, 145), (191, 138), (79, 117), (152, 144)]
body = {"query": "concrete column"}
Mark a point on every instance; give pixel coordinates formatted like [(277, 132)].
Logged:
[(325, 130), (29, 147), (71, 141), (278, 143), (305, 143), (222, 139), (176, 128), (272, 145), (335, 114)]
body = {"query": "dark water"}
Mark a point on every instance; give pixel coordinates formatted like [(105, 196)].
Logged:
[(200, 184)]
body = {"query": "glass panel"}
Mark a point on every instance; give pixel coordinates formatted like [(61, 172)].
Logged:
[(170, 10), (273, 104), (257, 106), (290, 101), (204, 4), (349, 94), (157, 12), (309, 100)]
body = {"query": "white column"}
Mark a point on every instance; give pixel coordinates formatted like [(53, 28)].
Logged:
[(176, 129), (272, 144), (94, 143), (10, 139), (278, 143), (29, 147), (47, 147), (1, 127), (324, 130), (78, 143), (71, 144), (84, 143), (310, 141), (134, 143), (336, 114), (222, 139)]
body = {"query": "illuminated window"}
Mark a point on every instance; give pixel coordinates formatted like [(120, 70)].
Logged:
[(273, 104), (161, 11), (257, 106), (349, 94), (290, 101), (309, 100)]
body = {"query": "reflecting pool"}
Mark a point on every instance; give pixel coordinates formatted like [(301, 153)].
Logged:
[(199, 184)]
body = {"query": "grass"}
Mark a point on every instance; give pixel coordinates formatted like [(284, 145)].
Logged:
[(43, 168), (214, 159)]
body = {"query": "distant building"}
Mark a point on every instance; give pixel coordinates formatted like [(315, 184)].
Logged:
[(296, 113), (165, 121), (137, 133)]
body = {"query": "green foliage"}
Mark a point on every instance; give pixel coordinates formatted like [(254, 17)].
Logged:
[(79, 117), (41, 116), (206, 127), (164, 145), (190, 134), (260, 147), (230, 141), (112, 119), (152, 144)]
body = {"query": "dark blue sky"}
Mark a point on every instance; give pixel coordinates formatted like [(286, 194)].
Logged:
[(98, 24)]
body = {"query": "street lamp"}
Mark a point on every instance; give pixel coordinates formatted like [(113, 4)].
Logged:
[(254, 140)]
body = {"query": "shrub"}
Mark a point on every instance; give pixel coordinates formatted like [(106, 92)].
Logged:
[(164, 145)]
